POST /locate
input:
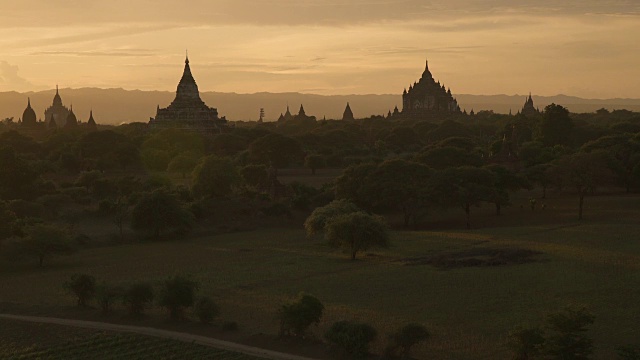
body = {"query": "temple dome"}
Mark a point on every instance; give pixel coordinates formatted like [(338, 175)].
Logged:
[(29, 116)]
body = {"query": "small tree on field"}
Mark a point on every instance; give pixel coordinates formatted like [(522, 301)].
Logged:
[(295, 318), (83, 286), (160, 211), (357, 232), (177, 294), (107, 295), (206, 310), (566, 337), (317, 221), (353, 338), (314, 162), (526, 343), (44, 240), (138, 296), (401, 342)]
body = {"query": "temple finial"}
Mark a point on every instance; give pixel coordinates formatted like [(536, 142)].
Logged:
[(28, 102), (186, 51), (56, 88)]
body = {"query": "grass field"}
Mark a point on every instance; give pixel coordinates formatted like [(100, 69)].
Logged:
[(468, 309), (24, 341)]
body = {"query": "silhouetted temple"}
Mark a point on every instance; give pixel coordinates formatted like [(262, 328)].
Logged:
[(29, 116), (91, 123), (72, 121), (528, 109), (56, 112), (187, 109), (300, 117), (427, 97), (348, 114)]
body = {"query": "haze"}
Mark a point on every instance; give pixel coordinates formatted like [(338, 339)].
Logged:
[(582, 48)]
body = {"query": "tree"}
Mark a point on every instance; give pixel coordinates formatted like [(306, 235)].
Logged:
[(9, 225), (83, 286), (623, 155), (107, 295), (526, 343), (120, 213), (445, 157), (44, 240), (357, 232), (541, 175), (567, 339), (255, 176), (158, 212), (505, 181), (228, 144), (183, 164), (353, 338), (206, 310), (138, 296), (584, 172), (177, 294), (17, 178), (320, 217), (276, 150), (314, 162), (296, 317), (215, 177), (405, 338), (398, 185), (464, 186), (555, 127), (349, 184)]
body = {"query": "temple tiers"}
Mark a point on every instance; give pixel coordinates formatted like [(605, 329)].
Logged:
[(56, 111), (528, 109), (187, 109), (427, 97)]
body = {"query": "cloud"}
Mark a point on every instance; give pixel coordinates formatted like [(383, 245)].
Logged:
[(90, 53), (10, 80)]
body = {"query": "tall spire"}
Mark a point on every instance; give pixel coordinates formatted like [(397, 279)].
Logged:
[(28, 102), (56, 89)]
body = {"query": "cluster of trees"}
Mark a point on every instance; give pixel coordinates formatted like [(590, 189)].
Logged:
[(176, 295), (352, 338)]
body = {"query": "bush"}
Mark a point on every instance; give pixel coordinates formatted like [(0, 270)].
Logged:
[(83, 286), (295, 318), (206, 310), (177, 294), (353, 338), (319, 218), (138, 296), (107, 295), (401, 342), (229, 326)]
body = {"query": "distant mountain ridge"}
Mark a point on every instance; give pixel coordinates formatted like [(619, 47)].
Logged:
[(115, 106)]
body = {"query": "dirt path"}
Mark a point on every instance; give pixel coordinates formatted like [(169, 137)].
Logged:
[(202, 340)]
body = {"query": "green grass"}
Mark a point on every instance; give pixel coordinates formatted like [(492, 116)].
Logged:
[(24, 341), (468, 310)]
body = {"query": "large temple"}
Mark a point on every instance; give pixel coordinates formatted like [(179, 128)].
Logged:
[(528, 109), (427, 97), (187, 110), (57, 112)]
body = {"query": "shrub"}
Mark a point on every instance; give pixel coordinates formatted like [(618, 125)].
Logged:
[(295, 318), (353, 338), (138, 296), (206, 310), (401, 342), (107, 295), (83, 286), (177, 294)]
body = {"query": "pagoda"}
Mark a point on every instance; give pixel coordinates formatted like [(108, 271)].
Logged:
[(57, 111), (29, 115), (187, 110), (528, 109), (348, 114), (427, 97)]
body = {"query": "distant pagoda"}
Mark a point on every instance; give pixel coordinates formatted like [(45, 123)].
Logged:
[(348, 114), (56, 112), (187, 110), (528, 109), (428, 97), (29, 116)]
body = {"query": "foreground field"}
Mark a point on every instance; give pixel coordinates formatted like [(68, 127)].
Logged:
[(20, 340), (468, 287)]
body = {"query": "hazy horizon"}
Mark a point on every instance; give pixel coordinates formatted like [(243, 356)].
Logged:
[(581, 48)]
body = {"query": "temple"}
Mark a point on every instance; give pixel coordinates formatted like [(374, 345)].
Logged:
[(348, 114), (91, 123), (72, 120), (29, 116), (300, 117), (428, 97), (187, 110), (57, 112), (528, 109)]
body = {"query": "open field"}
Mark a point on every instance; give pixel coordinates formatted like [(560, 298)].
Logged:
[(468, 309), (20, 340)]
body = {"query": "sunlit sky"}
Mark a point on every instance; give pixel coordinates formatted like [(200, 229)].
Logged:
[(586, 48)]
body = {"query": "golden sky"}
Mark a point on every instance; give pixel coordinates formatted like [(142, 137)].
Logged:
[(586, 48)]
